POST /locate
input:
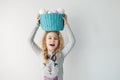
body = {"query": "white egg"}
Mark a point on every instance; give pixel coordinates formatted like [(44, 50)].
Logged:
[(42, 11), (49, 12), (60, 10)]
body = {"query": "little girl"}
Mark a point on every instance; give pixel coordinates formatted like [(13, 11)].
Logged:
[(53, 51)]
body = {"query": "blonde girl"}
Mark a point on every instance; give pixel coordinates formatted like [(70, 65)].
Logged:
[(53, 51)]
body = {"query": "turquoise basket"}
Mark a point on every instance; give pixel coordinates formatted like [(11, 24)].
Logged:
[(52, 22)]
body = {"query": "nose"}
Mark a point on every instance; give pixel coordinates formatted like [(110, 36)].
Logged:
[(53, 39)]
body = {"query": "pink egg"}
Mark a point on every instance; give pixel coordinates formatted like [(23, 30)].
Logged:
[(54, 11)]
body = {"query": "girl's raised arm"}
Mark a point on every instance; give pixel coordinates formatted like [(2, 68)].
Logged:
[(34, 46), (71, 40)]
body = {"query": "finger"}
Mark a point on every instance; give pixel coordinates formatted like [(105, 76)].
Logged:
[(37, 17), (63, 18)]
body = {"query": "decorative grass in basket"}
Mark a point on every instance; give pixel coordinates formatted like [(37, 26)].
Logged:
[(52, 20)]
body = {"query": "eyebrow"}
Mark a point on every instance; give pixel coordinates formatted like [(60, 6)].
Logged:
[(52, 36)]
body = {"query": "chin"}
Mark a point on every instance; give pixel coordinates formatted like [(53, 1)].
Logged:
[(52, 50)]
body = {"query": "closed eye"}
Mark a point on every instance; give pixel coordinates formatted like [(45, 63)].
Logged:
[(49, 38), (55, 38)]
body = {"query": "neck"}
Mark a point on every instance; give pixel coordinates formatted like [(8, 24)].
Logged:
[(51, 51)]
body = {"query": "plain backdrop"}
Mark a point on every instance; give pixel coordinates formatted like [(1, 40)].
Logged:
[(95, 24)]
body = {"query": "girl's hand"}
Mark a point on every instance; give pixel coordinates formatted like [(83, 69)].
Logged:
[(65, 19), (37, 20)]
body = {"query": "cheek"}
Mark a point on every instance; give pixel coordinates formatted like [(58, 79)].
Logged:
[(57, 42), (47, 42)]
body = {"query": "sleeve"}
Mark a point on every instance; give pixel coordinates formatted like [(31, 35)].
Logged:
[(71, 41), (32, 43)]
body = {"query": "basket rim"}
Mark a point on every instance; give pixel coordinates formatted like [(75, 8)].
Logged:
[(52, 14)]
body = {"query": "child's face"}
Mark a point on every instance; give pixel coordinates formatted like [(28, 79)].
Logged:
[(52, 41)]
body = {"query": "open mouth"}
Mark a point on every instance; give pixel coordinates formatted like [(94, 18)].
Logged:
[(52, 44)]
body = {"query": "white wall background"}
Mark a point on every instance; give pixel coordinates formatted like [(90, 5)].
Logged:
[(95, 24)]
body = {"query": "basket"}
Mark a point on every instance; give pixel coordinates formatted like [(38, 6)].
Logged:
[(52, 21)]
